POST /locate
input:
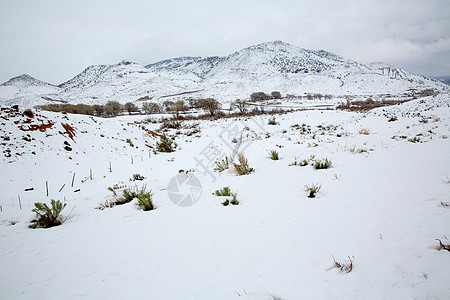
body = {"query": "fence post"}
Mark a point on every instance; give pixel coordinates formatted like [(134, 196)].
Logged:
[(73, 178), (20, 204), (46, 186)]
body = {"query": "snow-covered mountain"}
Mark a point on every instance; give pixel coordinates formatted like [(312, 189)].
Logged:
[(25, 90), (271, 66)]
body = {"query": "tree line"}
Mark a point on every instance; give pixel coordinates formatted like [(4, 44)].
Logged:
[(115, 108)]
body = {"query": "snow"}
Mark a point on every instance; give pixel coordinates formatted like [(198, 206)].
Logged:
[(380, 207), (267, 67)]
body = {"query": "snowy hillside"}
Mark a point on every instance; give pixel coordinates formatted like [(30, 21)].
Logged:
[(25, 90), (272, 66), (382, 205)]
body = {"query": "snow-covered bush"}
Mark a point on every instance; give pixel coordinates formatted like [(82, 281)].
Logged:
[(46, 216), (225, 192)]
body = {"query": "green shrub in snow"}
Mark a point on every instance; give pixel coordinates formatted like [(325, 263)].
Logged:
[(225, 191), (222, 165), (46, 216), (273, 155), (322, 164), (166, 144), (313, 189)]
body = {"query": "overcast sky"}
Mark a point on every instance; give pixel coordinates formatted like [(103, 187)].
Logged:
[(54, 40)]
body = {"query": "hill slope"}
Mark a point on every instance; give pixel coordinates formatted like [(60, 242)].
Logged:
[(382, 205)]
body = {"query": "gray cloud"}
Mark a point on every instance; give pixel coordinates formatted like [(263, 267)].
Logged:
[(54, 40)]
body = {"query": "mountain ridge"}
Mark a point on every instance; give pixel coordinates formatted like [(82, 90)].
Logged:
[(264, 67)]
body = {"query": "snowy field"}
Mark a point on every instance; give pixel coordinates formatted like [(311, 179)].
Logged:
[(381, 207)]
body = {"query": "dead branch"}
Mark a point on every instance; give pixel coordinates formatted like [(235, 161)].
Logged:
[(442, 246)]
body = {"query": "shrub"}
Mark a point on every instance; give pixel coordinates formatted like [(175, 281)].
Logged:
[(128, 195), (313, 189), (273, 155), (414, 140), (107, 204), (364, 131), (393, 119), (322, 164), (234, 200), (242, 168), (130, 142), (172, 125), (28, 113), (222, 165), (272, 121), (137, 176), (46, 216), (225, 191), (166, 144), (145, 201), (304, 162)]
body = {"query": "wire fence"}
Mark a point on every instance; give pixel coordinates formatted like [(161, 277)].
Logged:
[(19, 202), (8, 204)]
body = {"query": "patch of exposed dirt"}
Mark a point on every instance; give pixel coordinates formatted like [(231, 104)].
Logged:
[(70, 131), (33, 127)]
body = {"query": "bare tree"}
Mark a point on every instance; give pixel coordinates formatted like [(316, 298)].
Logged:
[(211, 105), (151, 108)]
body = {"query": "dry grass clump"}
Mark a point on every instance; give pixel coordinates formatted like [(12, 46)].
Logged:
[(242, 168), (344, 267), (364, 131)]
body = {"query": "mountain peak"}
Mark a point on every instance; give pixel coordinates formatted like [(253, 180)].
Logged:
[(24, 79)]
